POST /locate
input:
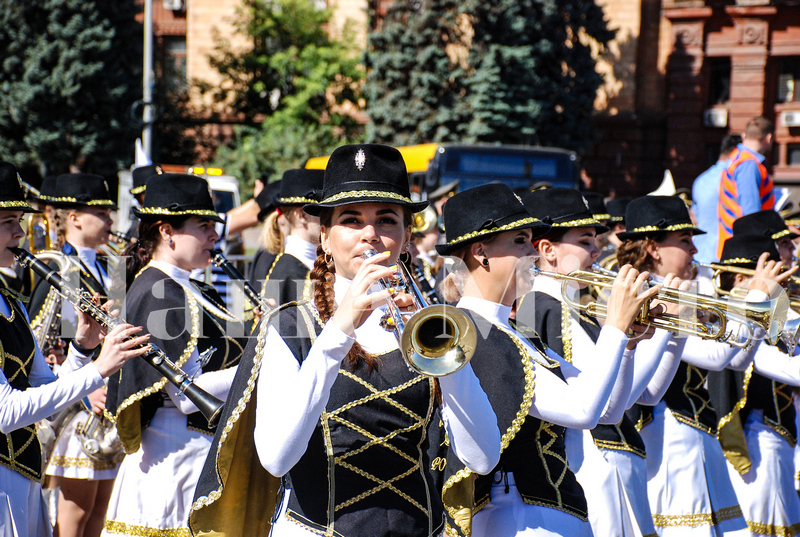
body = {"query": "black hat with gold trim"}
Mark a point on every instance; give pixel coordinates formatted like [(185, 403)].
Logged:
[(616, 208), (597, 205), (744, 250), (140, 176), (299, 187), (561, 208), (177, 194), (649, 215), (478, 213), (768, 223), (12, 196), (265, 198), (364, 173), (81, 190)]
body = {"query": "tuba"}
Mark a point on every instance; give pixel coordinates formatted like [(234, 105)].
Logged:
[(435, 340)]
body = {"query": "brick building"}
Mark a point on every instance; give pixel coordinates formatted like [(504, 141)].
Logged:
[(680, 75)]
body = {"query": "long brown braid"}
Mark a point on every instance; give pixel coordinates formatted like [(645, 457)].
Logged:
[(322, 277)]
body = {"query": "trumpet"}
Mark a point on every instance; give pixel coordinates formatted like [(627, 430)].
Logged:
[(435, 340), (207, 404), (425, 221), (233, 273), (769, 315), (719, 269)]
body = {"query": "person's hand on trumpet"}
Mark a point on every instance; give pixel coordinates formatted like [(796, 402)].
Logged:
[(769, 275), (628, 295)]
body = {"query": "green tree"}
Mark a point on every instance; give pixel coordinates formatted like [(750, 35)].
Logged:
[(299, 83), (69, 72), (528, 75)]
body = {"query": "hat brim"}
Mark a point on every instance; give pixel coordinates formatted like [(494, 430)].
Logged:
[(159, 212), (138, 190), (785, 234), (314, 209), (634, 235), (539, 229), (600, 228), (69, 204), (17, 205)]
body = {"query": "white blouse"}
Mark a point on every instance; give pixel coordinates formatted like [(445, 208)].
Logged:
[(304, 251), (579, 401), (291, 396)]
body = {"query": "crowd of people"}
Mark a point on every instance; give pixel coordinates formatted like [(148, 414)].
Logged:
[(644, 396)]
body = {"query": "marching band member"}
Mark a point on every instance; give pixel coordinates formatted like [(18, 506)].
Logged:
[(82, 221), (165, 437), (287, 279), (770, 224), (757, 427), (265, 256), (608, 461), (690, 491), (324, 397), (534, 392), (29, 391)]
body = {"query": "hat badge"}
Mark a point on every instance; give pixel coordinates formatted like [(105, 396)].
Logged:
[(586, 203), (361, 159)]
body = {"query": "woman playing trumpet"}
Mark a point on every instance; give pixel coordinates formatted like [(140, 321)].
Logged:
[(28, 389), (608, 461), (164, 435), (536, 394), (324, 397)]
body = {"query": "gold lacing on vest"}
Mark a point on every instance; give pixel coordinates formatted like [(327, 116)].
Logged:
[(382, 441), (690, 391), (782, 401), (566, 332), (544, 449)]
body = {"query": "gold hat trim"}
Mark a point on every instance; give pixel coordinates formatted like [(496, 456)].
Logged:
[(162, 211), (366, 194), (736, 260), (674, 227), (297, 199), (138, 190), (602, 216), (70, 199), (578, 223), (780, 234), (506, 227), (15, 205)]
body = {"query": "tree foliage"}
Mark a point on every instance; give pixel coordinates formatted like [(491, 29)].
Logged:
[(521, 72), (301, 84), (69, 72)]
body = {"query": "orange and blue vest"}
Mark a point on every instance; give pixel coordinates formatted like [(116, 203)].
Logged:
[(729, 208)]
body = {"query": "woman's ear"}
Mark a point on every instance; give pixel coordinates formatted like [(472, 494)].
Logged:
[(740, 279), (299, 215), (652, 249), (166, 231), (323, 238), (547, 250)]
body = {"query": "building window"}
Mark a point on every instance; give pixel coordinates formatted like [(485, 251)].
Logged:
[(719, 88), (793, 154), (175, 61), (789, 80)]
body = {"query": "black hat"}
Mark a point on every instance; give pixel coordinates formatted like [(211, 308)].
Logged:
[(140, 176), (265, 198), (478, 213), (651, 214), (767, 223), (597, 205), (299, 187), (177, 194), (744, 250), (365, 173), (48, 189), (12, 197), (561, 208), (81, 190), (616, 208)]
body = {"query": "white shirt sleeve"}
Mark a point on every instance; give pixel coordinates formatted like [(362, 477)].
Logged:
[(714, 355), (579, 400), (290, 397), (665, 372), (777, 365), (19, 408), (648, 355), (469, 420), (216, 383)]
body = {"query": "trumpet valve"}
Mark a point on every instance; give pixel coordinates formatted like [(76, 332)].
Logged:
[(387, 322)]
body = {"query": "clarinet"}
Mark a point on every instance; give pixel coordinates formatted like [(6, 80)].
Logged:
[(233, 273), (424, 285), (207, 404)]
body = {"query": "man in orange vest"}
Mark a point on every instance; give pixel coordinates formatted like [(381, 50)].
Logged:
[(745, 186)]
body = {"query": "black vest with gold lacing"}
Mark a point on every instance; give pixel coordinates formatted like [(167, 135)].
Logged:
[(368, 446), (21, 450), (689, 400), (553, 324), (774, 399), (178, 324), (532, 449)]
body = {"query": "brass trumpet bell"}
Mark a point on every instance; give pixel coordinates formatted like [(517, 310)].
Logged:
[(438, 340), (425, 221)]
